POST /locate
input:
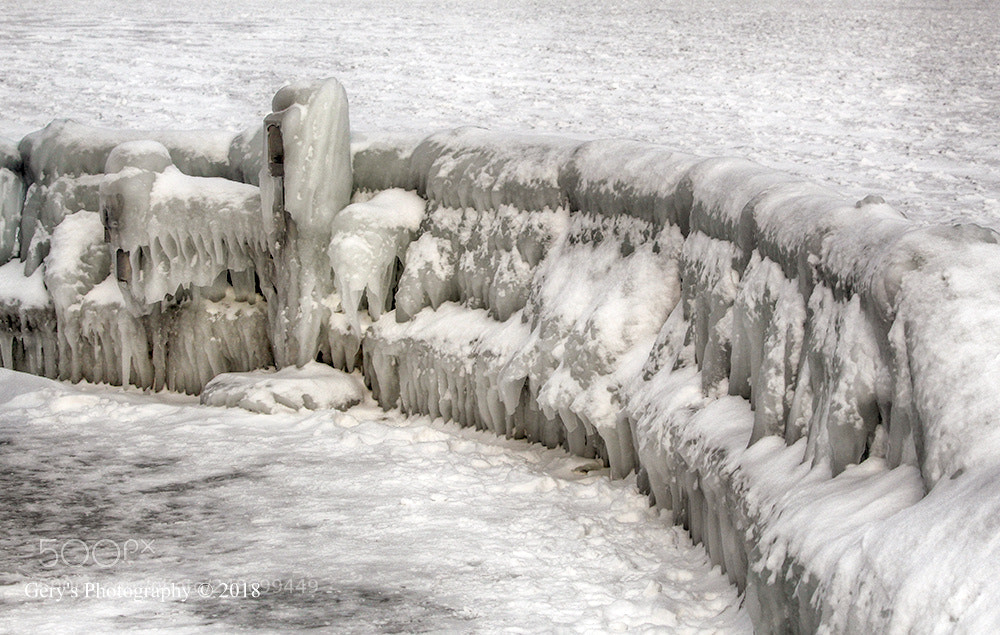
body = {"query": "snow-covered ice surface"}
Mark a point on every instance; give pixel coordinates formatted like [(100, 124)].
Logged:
[(385, 524), (877, 97), (896, 98)]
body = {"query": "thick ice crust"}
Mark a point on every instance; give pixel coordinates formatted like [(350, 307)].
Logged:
[(12, 191), (796, 376), (179, 231), (67, 148), (300, 202), (185, 249), (821, 356)]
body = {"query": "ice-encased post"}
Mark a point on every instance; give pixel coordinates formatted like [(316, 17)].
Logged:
[(305, 181)]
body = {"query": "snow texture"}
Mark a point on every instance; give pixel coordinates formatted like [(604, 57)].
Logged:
[(790, 372), (381, 522), (315, 386)]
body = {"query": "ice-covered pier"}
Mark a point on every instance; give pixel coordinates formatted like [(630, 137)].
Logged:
[(806, 382)]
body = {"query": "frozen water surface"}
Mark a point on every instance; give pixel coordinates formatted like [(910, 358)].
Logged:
[(877, 96), (383, 524), (391, 524)]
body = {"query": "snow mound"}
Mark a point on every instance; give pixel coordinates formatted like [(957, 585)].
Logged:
[(315, 386)]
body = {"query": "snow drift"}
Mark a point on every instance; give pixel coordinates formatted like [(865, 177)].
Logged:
[(806, 382)]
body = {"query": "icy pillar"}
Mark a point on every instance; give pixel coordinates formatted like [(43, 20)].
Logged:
[(305, 181)]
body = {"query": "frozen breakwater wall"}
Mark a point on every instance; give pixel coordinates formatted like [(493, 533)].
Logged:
[(807, 382)]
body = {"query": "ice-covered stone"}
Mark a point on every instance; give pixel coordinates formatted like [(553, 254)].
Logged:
[(613, 177), (67, 148), (383, 161), (12, 191), (45, 206), (145, 155), (474, 168), (171, 232), (246, 155), (78, 261), (314, 387), (10, 157), (202, 337), (27, 322)]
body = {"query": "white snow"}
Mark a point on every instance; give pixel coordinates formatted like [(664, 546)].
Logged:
[(385, 524), (874, 96), (314, 386), (808, 383), (18, 290)]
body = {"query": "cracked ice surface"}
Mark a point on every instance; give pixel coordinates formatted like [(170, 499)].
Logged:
[(395, 524)]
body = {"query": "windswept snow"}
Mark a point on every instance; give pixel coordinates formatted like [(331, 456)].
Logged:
[(876, 96), (383, 524)]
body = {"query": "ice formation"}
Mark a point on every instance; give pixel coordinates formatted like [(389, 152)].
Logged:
[(794, 375), (780, 365), (367, 248), (315, 386), (28, 334), (67, 148), (306, 181), (150, 273), (171, 232), (12, 190)]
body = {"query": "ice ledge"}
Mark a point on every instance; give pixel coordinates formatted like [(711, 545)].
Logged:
[(807, 382), (823, 378)]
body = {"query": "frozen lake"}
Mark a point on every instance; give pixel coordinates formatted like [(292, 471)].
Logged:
[(895, 98), (369, 522)]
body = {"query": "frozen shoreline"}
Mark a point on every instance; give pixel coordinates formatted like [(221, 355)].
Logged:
[(388, 523)]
